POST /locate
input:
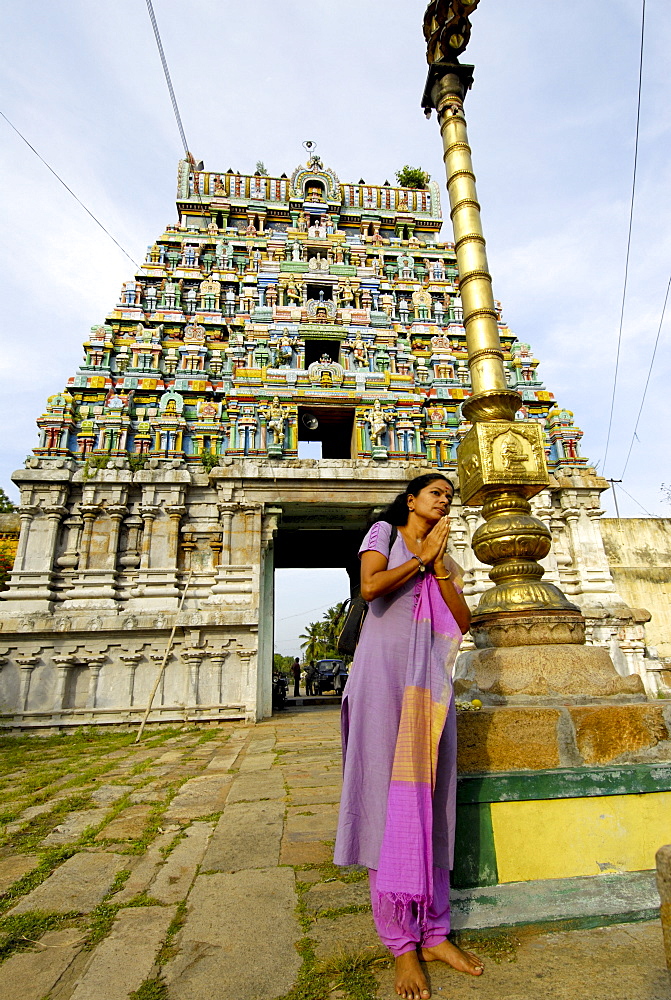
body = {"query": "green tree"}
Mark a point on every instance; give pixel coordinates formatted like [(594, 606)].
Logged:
[(412, 177), (281, 663), (6, 505), (261, 168), (314, 641)]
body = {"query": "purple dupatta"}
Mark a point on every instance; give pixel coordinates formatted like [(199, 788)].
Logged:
[(405, 872)]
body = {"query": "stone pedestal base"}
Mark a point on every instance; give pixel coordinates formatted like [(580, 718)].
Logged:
[(540, 737), (563, 671)]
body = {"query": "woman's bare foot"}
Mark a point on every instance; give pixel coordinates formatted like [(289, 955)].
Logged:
[(462, 961), (409, 981)]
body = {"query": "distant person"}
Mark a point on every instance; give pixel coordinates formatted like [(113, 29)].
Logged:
[(337, 678), (397, 811), (310, 675), (296, 671)]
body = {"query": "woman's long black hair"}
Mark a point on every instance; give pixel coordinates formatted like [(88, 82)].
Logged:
[(397, 511)]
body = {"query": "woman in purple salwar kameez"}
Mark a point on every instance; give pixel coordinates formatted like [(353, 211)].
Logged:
[(397, 811)]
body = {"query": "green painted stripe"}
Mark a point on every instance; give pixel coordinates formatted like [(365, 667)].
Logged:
[(474, 850), (564, 783)]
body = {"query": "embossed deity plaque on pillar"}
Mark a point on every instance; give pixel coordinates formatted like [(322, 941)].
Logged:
[(501, 453)]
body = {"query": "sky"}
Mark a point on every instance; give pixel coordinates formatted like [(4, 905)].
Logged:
[(552, 118)]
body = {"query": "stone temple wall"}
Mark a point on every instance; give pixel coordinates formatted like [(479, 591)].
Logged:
[(639, 555), (278, 315), (104, 562)]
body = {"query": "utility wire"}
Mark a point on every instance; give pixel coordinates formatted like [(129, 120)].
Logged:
[(69, 189), (631, 220), (636, 502), (166, 71), (647, 381)]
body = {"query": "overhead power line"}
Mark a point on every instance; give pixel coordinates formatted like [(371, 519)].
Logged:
[(164, 63), (631, 220), (69, 190), (647, 381), (637, 502)]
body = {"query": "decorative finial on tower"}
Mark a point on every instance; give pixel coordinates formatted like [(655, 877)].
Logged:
[(447, 29), (314, 162)]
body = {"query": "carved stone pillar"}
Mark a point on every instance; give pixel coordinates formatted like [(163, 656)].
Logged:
[(218, 661), (63, 666), (32, 581), (193, 657), (132, 659), (94, 664), (149, 513), (248, 686), (226, 512), (26, 665), (89, 513)]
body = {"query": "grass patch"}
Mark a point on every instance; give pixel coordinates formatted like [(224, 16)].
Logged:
[(100, 923), (151, 989), (354, 972), (333, 873), (51, 860), (169, 950), (119, 882), (500, 946), (333, 912), (20, 932)]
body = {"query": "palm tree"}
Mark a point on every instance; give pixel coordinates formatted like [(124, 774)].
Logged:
[(314, 641), (333, 621)]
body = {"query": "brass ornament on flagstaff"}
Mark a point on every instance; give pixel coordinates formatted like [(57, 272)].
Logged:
[(501, 453), (447, 29)]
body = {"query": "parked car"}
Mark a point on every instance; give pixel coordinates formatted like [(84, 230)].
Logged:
[(325, 673)]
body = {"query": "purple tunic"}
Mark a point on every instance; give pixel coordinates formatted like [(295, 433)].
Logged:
[(371, 712)]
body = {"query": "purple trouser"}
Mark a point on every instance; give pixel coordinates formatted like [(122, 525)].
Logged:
[(406, 935)]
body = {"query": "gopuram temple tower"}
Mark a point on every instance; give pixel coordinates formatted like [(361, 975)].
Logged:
[(278, 317)]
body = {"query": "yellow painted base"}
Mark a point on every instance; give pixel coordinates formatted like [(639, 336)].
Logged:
[(564, 838)]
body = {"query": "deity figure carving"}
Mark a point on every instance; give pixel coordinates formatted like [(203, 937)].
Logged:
[(346, 294), (150, 298), (219, 188), (277, 416), (296, 251), (360, 353), (436, 416), (251, 229), (293, 295), (513, 456), (378, 424), (302, 223), (285, 352), (190, 299)]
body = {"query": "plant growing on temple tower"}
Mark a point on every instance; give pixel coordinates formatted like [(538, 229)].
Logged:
[(412, 177), (137, 462), (261, 168), (208, 460)]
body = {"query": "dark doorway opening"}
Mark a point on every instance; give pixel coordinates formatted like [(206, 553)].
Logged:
[(315, 349), (313, 291), (332, 425)]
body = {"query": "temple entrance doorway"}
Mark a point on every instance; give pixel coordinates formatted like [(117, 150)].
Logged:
[(316, 566)]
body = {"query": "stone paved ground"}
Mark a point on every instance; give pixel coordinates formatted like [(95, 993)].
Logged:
[(197, 865)]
